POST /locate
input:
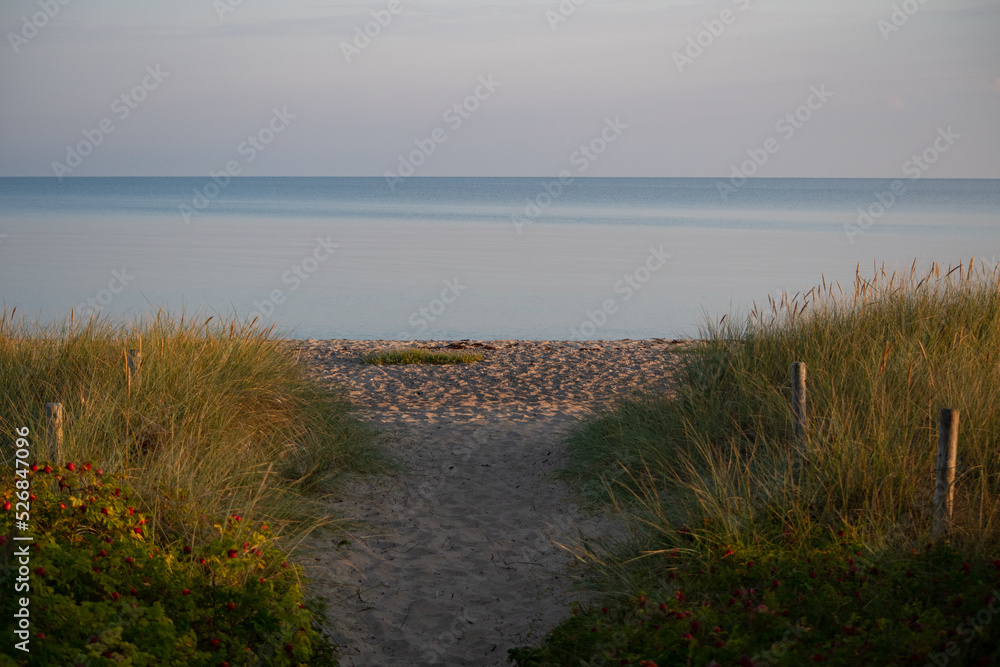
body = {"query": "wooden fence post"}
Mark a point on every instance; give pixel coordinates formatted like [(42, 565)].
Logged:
[(54, 430), (133, 362), (944, 485), (799, 401)]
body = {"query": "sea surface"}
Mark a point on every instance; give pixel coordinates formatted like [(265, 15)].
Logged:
[(479, 258)]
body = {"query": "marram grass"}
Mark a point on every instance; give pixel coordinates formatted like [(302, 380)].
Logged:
[(883, 359), (747, 546), (220, 418), (421, 356)]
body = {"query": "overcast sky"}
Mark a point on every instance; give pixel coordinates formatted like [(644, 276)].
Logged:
[(881, 86)]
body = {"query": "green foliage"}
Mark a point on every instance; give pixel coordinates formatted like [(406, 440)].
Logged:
[(103, 592), (421, 356), (220, 418), (881, 364), (715, 466), (824, 602)]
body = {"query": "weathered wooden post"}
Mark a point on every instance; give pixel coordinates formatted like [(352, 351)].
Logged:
[(944, 486), (133, 361), (54, 430), (799, 402)]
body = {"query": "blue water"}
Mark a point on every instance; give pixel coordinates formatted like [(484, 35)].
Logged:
[(468, 258)]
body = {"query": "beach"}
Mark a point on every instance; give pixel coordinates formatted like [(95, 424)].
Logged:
[(459, 557)]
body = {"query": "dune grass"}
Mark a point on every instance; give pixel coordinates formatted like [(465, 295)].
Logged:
[(713, 476), (882, 362), (421, 356), (220, 418)]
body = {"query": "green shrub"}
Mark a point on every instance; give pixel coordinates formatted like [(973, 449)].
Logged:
[(824, 602), (103, 592)]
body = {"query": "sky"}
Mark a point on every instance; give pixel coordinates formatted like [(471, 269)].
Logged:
[(681, 88)]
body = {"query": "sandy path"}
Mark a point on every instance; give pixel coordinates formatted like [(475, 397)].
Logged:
[(457, 562)]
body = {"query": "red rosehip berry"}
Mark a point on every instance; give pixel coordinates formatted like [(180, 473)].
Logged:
[(46, 469), (186, 591), (115, 596), (70, 467), (138, 530), (232, 553), (7, 505), (289, 648), (262, 580), (129, 560), (133, 590), (104, 510), (231, 606), (187, 549), (102, 553), (34, 467), (40, 571), (775, 583), (215, 642)]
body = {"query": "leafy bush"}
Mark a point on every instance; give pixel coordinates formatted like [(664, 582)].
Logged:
[(102, 591), (825, 602)]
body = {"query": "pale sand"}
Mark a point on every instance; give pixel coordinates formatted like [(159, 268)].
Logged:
[(458, 560)]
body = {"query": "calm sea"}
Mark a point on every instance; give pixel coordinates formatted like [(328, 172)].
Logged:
[(481, 258)]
